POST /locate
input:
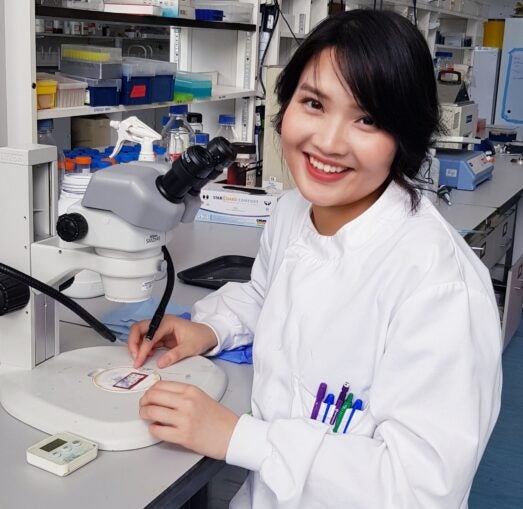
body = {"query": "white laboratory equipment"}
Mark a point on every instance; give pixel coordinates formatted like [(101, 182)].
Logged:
[(62, 453), (124, 241), (484, 81), (509, 103)]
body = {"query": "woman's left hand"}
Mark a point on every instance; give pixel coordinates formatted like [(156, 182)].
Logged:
[(185, 415)]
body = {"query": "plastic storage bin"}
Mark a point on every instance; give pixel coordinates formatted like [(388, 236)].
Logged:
[(45, 91), (101, 92), (193, 84), (70, 93), (162, 88), (233, 11), (97, 62), (208, 15), (91, 53), (137, 80)]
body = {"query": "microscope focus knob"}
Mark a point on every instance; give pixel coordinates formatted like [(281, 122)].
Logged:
[(13, 295), (71, 227)]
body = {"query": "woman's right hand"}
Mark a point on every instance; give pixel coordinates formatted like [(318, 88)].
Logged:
[(182, 337)]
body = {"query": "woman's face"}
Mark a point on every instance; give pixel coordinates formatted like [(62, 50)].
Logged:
[(338, 158)]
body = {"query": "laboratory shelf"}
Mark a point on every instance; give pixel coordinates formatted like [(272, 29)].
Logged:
[(220, 93), (143, 37), (457, 48), (43, 11)]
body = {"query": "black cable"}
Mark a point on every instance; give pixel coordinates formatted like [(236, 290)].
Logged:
[(166, 297), (415, 13), (60, 297), (262, 59), (286, 22)]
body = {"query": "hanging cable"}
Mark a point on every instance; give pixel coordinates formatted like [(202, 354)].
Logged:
[(286, 22), (269, 22), (60, 297), (166, 297)]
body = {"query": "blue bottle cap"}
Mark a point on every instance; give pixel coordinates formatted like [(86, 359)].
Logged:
[(160, 151), (165, 119), (179, 109), (45, 124), (227, 119), (104, 164), (201, 138)]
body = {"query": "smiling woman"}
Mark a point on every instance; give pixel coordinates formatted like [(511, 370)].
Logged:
[(360, 289), (386, 70), (339, 158)]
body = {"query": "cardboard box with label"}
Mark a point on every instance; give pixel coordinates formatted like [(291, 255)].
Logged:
[(244, 206), (92, 131)]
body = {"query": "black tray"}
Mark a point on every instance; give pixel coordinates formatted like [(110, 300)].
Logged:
[(215, 273)]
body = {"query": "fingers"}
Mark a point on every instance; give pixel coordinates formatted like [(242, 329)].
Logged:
[(176, 354), (137, 332), (144, 348)]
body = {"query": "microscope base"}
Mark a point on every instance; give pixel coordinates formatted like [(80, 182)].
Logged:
[(94, 392)]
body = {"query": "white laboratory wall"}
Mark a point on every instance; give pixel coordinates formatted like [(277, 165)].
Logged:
[(499, 9), (3, 107)]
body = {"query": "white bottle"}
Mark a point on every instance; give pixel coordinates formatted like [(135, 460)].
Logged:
[(226, 129)]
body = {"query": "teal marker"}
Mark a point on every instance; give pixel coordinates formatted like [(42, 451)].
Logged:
[(346, 404)]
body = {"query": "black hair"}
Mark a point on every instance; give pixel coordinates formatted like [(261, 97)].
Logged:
[(388, 67)]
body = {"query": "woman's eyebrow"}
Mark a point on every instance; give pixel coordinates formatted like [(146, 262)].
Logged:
[(313, 90)]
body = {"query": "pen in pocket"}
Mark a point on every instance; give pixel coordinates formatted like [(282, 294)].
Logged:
[(329, 401), (358, 405), (339, 402), (346, 404), (322, 389)]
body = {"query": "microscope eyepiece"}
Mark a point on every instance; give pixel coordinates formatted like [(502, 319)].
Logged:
[(192, 166), (222, 151), (223, 154)]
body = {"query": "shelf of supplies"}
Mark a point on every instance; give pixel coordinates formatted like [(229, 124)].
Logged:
[(43, 11), (143, 37), (221, 93), (449, 46), (288, 35), (439, 10)]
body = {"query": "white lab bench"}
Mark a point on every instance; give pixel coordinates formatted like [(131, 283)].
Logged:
[(162, 475), (165, 475)]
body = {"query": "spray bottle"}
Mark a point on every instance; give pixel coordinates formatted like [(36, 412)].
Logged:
[(134, 130)]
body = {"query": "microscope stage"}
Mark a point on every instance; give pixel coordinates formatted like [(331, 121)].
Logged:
[(94, 392)]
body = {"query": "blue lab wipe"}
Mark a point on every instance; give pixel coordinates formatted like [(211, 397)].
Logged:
[(240, 355), (120, 321)]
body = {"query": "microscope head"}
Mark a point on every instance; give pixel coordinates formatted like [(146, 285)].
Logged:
[(129, 211)]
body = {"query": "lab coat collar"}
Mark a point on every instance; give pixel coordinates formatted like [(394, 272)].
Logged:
[(379, 221)]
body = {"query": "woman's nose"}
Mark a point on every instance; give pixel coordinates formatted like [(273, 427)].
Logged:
[(332, 138)]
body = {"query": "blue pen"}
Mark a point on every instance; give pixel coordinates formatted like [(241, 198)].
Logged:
[(358, 405), (322, 389), (329, 401), (339, 402)]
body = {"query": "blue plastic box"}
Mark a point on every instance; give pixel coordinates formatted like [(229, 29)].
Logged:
[(208, 15), (191, 83), (162, 88), (137, 79), (100, 92)]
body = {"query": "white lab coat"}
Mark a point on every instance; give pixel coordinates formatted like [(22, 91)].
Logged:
[(400, 307)]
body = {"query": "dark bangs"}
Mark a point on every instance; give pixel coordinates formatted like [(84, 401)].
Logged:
[(387, 65)]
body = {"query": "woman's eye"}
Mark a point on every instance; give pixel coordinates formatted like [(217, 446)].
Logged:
[(367, 120), (312, 103)]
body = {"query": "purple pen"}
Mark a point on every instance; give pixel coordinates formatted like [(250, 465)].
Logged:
[(339, 402), (322, 389)]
